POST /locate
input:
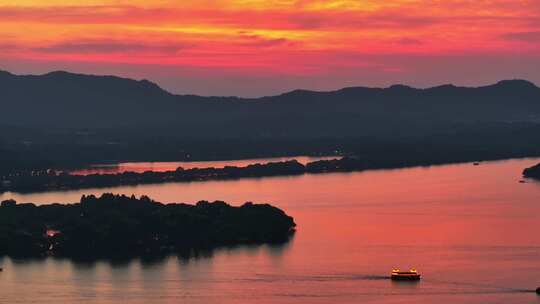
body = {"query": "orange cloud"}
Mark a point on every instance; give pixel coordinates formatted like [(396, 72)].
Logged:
[(256, 37)]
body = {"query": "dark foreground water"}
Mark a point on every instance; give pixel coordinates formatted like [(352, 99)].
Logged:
[(472, 231)]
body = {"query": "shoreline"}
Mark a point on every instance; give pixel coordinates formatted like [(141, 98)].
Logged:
[(68, 182), (186, 164)]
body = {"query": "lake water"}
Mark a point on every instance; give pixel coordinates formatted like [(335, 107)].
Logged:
[(472, 231), (140, 167)]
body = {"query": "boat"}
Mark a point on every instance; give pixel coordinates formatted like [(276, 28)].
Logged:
[(411, 275)]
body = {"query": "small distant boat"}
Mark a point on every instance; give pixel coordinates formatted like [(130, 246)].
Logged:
[(411, 275), (476, 164)]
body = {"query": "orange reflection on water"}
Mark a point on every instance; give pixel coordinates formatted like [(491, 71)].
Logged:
[(469, 230)]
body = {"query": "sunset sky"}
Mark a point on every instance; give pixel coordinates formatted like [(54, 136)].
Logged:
[(261, 47)]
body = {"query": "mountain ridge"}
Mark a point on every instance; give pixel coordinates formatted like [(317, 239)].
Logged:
[(67, 102), (62, 118), (523, 83)]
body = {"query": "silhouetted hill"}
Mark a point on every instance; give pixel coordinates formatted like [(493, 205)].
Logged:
[(63, 100), (106, 117)]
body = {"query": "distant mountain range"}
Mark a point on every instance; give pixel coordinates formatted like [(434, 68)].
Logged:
[(62, 117), (66, 101)]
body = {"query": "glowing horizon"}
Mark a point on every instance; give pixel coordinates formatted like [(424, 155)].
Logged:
[(256, 47)]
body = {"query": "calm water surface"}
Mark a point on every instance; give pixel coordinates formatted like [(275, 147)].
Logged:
[(472, 231)]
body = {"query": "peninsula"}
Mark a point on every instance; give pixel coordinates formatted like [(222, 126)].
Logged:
[(51, 180), (118, 225), (532, 172)]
